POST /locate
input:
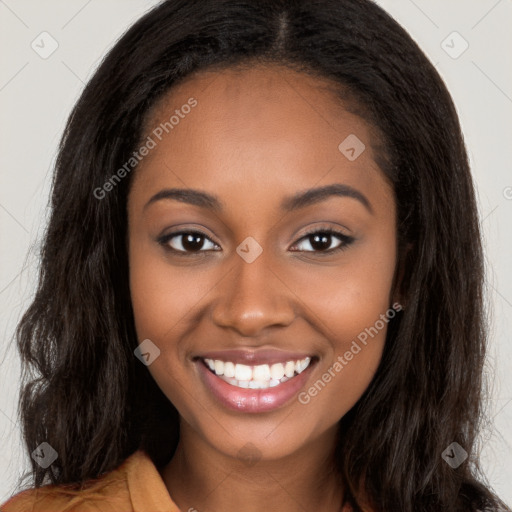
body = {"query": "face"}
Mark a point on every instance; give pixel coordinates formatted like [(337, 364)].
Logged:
[(264, 251)]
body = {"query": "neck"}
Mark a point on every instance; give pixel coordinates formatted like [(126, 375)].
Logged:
[(199, 477)]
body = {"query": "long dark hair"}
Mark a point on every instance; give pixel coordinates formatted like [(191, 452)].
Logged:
[(88, 396)]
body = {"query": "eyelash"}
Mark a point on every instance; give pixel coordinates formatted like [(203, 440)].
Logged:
[(345, 239)]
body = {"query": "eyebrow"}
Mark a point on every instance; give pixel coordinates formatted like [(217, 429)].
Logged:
[(289, 204)]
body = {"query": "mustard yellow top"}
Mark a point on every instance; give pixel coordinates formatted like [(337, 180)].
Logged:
[(134, 486)]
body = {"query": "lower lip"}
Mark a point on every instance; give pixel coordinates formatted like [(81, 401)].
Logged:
[(252, 400)]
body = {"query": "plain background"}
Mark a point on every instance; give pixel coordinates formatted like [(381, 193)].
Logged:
[(36, 96)]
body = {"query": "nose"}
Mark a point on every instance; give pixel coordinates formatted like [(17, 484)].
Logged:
[(252, 298)]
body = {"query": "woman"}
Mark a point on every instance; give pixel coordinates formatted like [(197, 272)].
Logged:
[(256, 289)]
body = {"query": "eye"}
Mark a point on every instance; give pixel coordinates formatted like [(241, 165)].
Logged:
[(322, 240), (187, 242)]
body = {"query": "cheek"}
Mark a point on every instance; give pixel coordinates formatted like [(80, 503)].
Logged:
[(164, 296), (167, 303), (349, 297), (162, 299), (350, 304)]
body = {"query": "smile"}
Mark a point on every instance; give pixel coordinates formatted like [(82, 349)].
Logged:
[(256, 377), (254, 382)]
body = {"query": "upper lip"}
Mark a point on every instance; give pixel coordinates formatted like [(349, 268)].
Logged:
[(254, 357)]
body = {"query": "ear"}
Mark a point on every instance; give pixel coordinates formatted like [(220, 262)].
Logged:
[(398, 289)]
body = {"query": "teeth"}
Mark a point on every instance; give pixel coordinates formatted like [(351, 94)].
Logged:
[(289, 369), (277, 371), (219, 367), (261, 372), (302, 365), (229, 369), (258, 384), (257, 377), (242, 372)]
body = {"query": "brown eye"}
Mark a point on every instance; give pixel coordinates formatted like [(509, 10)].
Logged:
[(322, 241), (188, 242)]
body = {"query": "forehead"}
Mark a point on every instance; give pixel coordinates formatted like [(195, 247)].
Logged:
[(253, 129)]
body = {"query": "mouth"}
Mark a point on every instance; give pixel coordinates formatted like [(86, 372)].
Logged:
[(255, 388), (262, 376)]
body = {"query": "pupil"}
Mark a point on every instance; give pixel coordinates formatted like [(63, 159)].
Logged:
[(321, 241), (192, 242)]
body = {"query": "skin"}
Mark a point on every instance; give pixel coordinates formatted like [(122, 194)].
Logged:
[(296, 300)]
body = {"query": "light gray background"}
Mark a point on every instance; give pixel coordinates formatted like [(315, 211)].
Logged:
[(36, 96)]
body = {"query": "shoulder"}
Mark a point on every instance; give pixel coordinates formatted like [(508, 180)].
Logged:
[(46, 499), (52, 499), (108, 493)]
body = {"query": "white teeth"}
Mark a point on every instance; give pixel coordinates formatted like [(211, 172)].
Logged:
[(243, 372), (219, 367), (229, 369), (258, 384), (261, 376), (289, 369), (277, 371), (261, 372), (302, 365)]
